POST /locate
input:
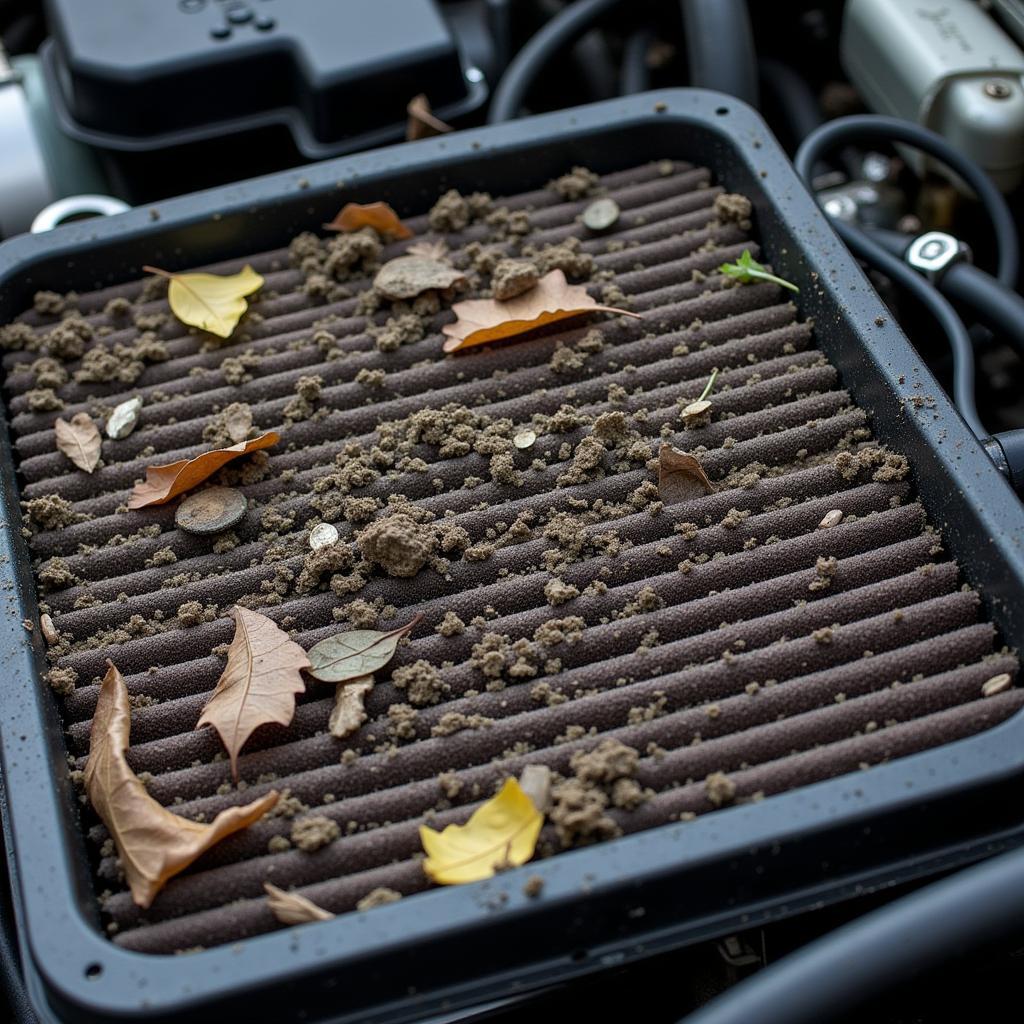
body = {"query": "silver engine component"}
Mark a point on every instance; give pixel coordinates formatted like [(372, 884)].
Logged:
[(947, 66)]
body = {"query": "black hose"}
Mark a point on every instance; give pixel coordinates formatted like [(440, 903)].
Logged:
[(794, 99), (636, 75), (720, 47), (564, 28), (872, 128), (839, 972), (992, 303)]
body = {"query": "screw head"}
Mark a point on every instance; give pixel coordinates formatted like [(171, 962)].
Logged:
[(996, 89)]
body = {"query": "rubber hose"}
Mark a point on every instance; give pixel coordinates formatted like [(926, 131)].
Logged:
[(636, 76), (872, 128), (992, 303), (564, 28), (839, 972), (720, 47)]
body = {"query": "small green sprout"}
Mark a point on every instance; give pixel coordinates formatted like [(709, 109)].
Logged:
[(747, 269), (707, 387)]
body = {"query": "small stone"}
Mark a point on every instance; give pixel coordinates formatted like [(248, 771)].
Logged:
[(997, 684), (833, 518), (210, 511), (124, 419), (601, 214), (48, 629), (697, 414), (323, 535), (524, 439)]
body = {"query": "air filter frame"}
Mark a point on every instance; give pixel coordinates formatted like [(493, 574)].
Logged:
[(604, 905)]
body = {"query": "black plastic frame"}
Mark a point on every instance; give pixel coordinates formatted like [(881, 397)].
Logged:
[(604, 905)]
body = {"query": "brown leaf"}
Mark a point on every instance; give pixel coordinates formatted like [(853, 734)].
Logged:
[(79, 440), (405, 277), (355, 653), (422, 124), (552, 299), (378, 216), (258, 684), (163, 483), (291, 908), (153, 844), (348, 712), (681, 476)]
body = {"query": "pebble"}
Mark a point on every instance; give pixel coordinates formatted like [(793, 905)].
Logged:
[(997, 684), (524, 439), (601, 214), (124, 419), (210, 511), (833, 518), (322, 535)]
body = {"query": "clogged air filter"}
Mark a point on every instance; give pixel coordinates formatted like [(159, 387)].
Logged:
[(804, 622)]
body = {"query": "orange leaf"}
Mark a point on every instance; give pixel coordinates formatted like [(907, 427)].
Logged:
[(551, 299), (378, 216), (422, 124), (166, 482), (153, 844), (681, 477), (258, 684)]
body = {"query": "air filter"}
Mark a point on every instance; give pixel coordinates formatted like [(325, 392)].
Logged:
[(775, 693)]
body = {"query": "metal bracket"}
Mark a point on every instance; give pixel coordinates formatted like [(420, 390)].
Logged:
[(934, 252)]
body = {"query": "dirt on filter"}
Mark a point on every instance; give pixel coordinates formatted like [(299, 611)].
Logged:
[(508, 494)]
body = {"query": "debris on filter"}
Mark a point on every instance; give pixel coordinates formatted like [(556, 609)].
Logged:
[(398, 544), (322, 535), (720, 789), (79, 440), (552, 299), (833, 518), (997, 684), (349, 712), (511, 278), (600, 215), (380, 216), (314, 832), (212, 510), (681, 477), (124, 419)]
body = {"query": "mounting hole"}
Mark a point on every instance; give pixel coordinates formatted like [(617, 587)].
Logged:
[(93, 971), (722, 111)]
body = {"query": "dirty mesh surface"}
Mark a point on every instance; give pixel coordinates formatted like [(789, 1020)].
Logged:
[(733, 646)]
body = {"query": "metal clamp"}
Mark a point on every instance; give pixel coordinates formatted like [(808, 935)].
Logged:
[(934, 252)]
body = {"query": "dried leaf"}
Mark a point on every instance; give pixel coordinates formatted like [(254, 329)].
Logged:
[(211, 302), (163, 483), (552, 299), (355, 653), (405, 277), (153, 843), (501, 833), (79, 440), (422, 124), (258, 684), (291, 908), (681, 476), (348, 712), (378, 216)]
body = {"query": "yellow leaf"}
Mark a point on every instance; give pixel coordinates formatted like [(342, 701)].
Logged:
[(501, 833), (212, 302)]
